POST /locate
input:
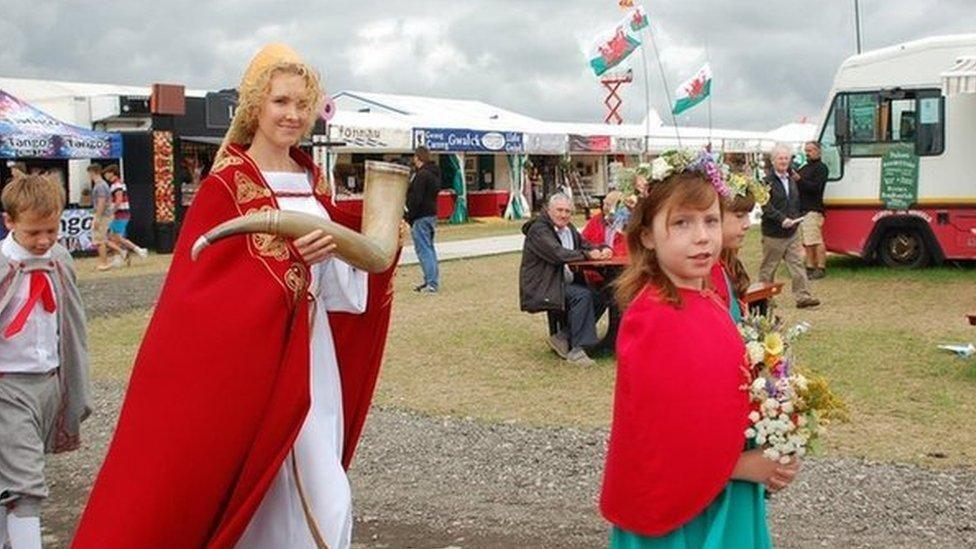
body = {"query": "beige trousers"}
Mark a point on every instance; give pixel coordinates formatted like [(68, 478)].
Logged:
[(787, 249)]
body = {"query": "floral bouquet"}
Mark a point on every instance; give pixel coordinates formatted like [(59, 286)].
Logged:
[(789, 408)]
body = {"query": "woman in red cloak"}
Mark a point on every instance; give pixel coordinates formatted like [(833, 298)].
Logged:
[(253, 380)]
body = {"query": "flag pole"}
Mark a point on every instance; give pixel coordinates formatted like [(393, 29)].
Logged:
[(647, 104), (664, 80), (708, 59)]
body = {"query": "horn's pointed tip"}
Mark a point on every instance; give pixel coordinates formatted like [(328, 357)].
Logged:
[(198, 247)]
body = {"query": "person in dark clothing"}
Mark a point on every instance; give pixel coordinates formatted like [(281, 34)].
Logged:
[(422, 216), (780, 219), (811, 181), (547, 284)]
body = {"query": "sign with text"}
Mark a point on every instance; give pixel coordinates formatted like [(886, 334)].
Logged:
[(76, 229), (371, 138), (458, 140), (899, 178), (589, 143)]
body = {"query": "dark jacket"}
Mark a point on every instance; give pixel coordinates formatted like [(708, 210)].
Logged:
[(812, 183), (541, 282), (779, 208), (422, 194)]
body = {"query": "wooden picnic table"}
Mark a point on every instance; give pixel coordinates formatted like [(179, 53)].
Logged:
[(615, 261), (758, 294), (759, 291), (610, 269)]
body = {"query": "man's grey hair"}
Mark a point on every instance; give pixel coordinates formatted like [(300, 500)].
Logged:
[(814, 144), (557, 197), (780, 148)]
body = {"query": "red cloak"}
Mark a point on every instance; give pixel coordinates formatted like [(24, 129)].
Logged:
[(220, 386), (679, 413), (720, 284)]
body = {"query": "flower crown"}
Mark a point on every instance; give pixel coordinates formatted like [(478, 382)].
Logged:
[(708, 164)]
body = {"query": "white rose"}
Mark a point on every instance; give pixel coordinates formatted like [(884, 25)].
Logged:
[(750, 433), (758, 385), (660, 169), (756, 352), (788, 407), (754, 416)]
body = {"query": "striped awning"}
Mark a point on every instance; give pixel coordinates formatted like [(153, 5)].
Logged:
[(961, 78)]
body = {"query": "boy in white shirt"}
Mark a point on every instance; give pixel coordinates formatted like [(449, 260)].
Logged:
[(44, 387)]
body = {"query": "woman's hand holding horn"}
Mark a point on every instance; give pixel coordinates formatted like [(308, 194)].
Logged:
[(315, 247)]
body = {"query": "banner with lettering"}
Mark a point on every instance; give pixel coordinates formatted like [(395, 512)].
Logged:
[(26, 132), (460, 140), (76, 228), (354, 137)]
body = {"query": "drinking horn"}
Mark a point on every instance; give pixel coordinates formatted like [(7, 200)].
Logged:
[(373, 250)]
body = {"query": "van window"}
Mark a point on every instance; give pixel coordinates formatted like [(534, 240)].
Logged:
[(879, 120), (829, 151)]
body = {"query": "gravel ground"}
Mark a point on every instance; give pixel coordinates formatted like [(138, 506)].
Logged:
[(110, 296), (421, 481)]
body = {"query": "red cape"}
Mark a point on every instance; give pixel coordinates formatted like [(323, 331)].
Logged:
[(220, 387), (679, 413), (719, 284)]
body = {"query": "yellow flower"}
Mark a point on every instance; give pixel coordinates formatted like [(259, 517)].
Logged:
[(773, 343)]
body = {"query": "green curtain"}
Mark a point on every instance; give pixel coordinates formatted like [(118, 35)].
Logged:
[(518, 207), (460, 214)]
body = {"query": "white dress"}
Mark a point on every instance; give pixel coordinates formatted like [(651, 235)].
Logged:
[(279, 521)]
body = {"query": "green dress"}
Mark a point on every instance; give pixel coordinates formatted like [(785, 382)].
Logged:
[(735, 519)]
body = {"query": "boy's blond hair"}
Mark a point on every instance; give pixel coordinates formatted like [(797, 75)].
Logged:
[(37, 194)]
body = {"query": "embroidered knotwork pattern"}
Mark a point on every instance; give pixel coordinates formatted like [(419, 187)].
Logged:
[(296, 278), (226, 160), (248, 190), (269, 245)]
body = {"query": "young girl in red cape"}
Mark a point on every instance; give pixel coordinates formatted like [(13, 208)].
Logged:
[(677, 445), (253, 380)]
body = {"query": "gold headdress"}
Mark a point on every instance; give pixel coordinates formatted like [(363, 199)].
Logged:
[(254, 87)]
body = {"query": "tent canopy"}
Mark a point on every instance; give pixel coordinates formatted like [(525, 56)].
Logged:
[(26, 132)]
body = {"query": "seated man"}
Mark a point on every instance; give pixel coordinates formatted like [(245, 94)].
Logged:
[(546, 283)]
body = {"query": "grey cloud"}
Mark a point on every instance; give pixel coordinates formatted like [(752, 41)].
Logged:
[(773, 61)]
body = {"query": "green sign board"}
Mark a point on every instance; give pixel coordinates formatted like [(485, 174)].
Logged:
[(899, 178), (863, 116)]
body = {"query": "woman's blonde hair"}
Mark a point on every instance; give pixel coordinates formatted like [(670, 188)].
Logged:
[(689, 189), (256, 85)]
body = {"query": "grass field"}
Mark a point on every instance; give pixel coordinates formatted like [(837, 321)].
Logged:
[(468, 351)]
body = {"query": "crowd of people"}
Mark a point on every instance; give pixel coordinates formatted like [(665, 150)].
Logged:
[(792, 215), (110, 212), (296, 335)]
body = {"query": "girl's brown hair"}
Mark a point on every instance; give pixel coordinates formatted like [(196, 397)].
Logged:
[(689, 189), (730, 258)]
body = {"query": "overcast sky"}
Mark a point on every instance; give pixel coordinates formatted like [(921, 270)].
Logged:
[(773, 61)]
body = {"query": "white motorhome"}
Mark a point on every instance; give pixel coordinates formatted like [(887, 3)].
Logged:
[(899, 139)]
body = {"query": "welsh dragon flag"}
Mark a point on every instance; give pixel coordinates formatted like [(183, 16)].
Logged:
[(694, 90), (610, 48)]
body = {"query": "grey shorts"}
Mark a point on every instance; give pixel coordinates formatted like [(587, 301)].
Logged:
[(28, 408)]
